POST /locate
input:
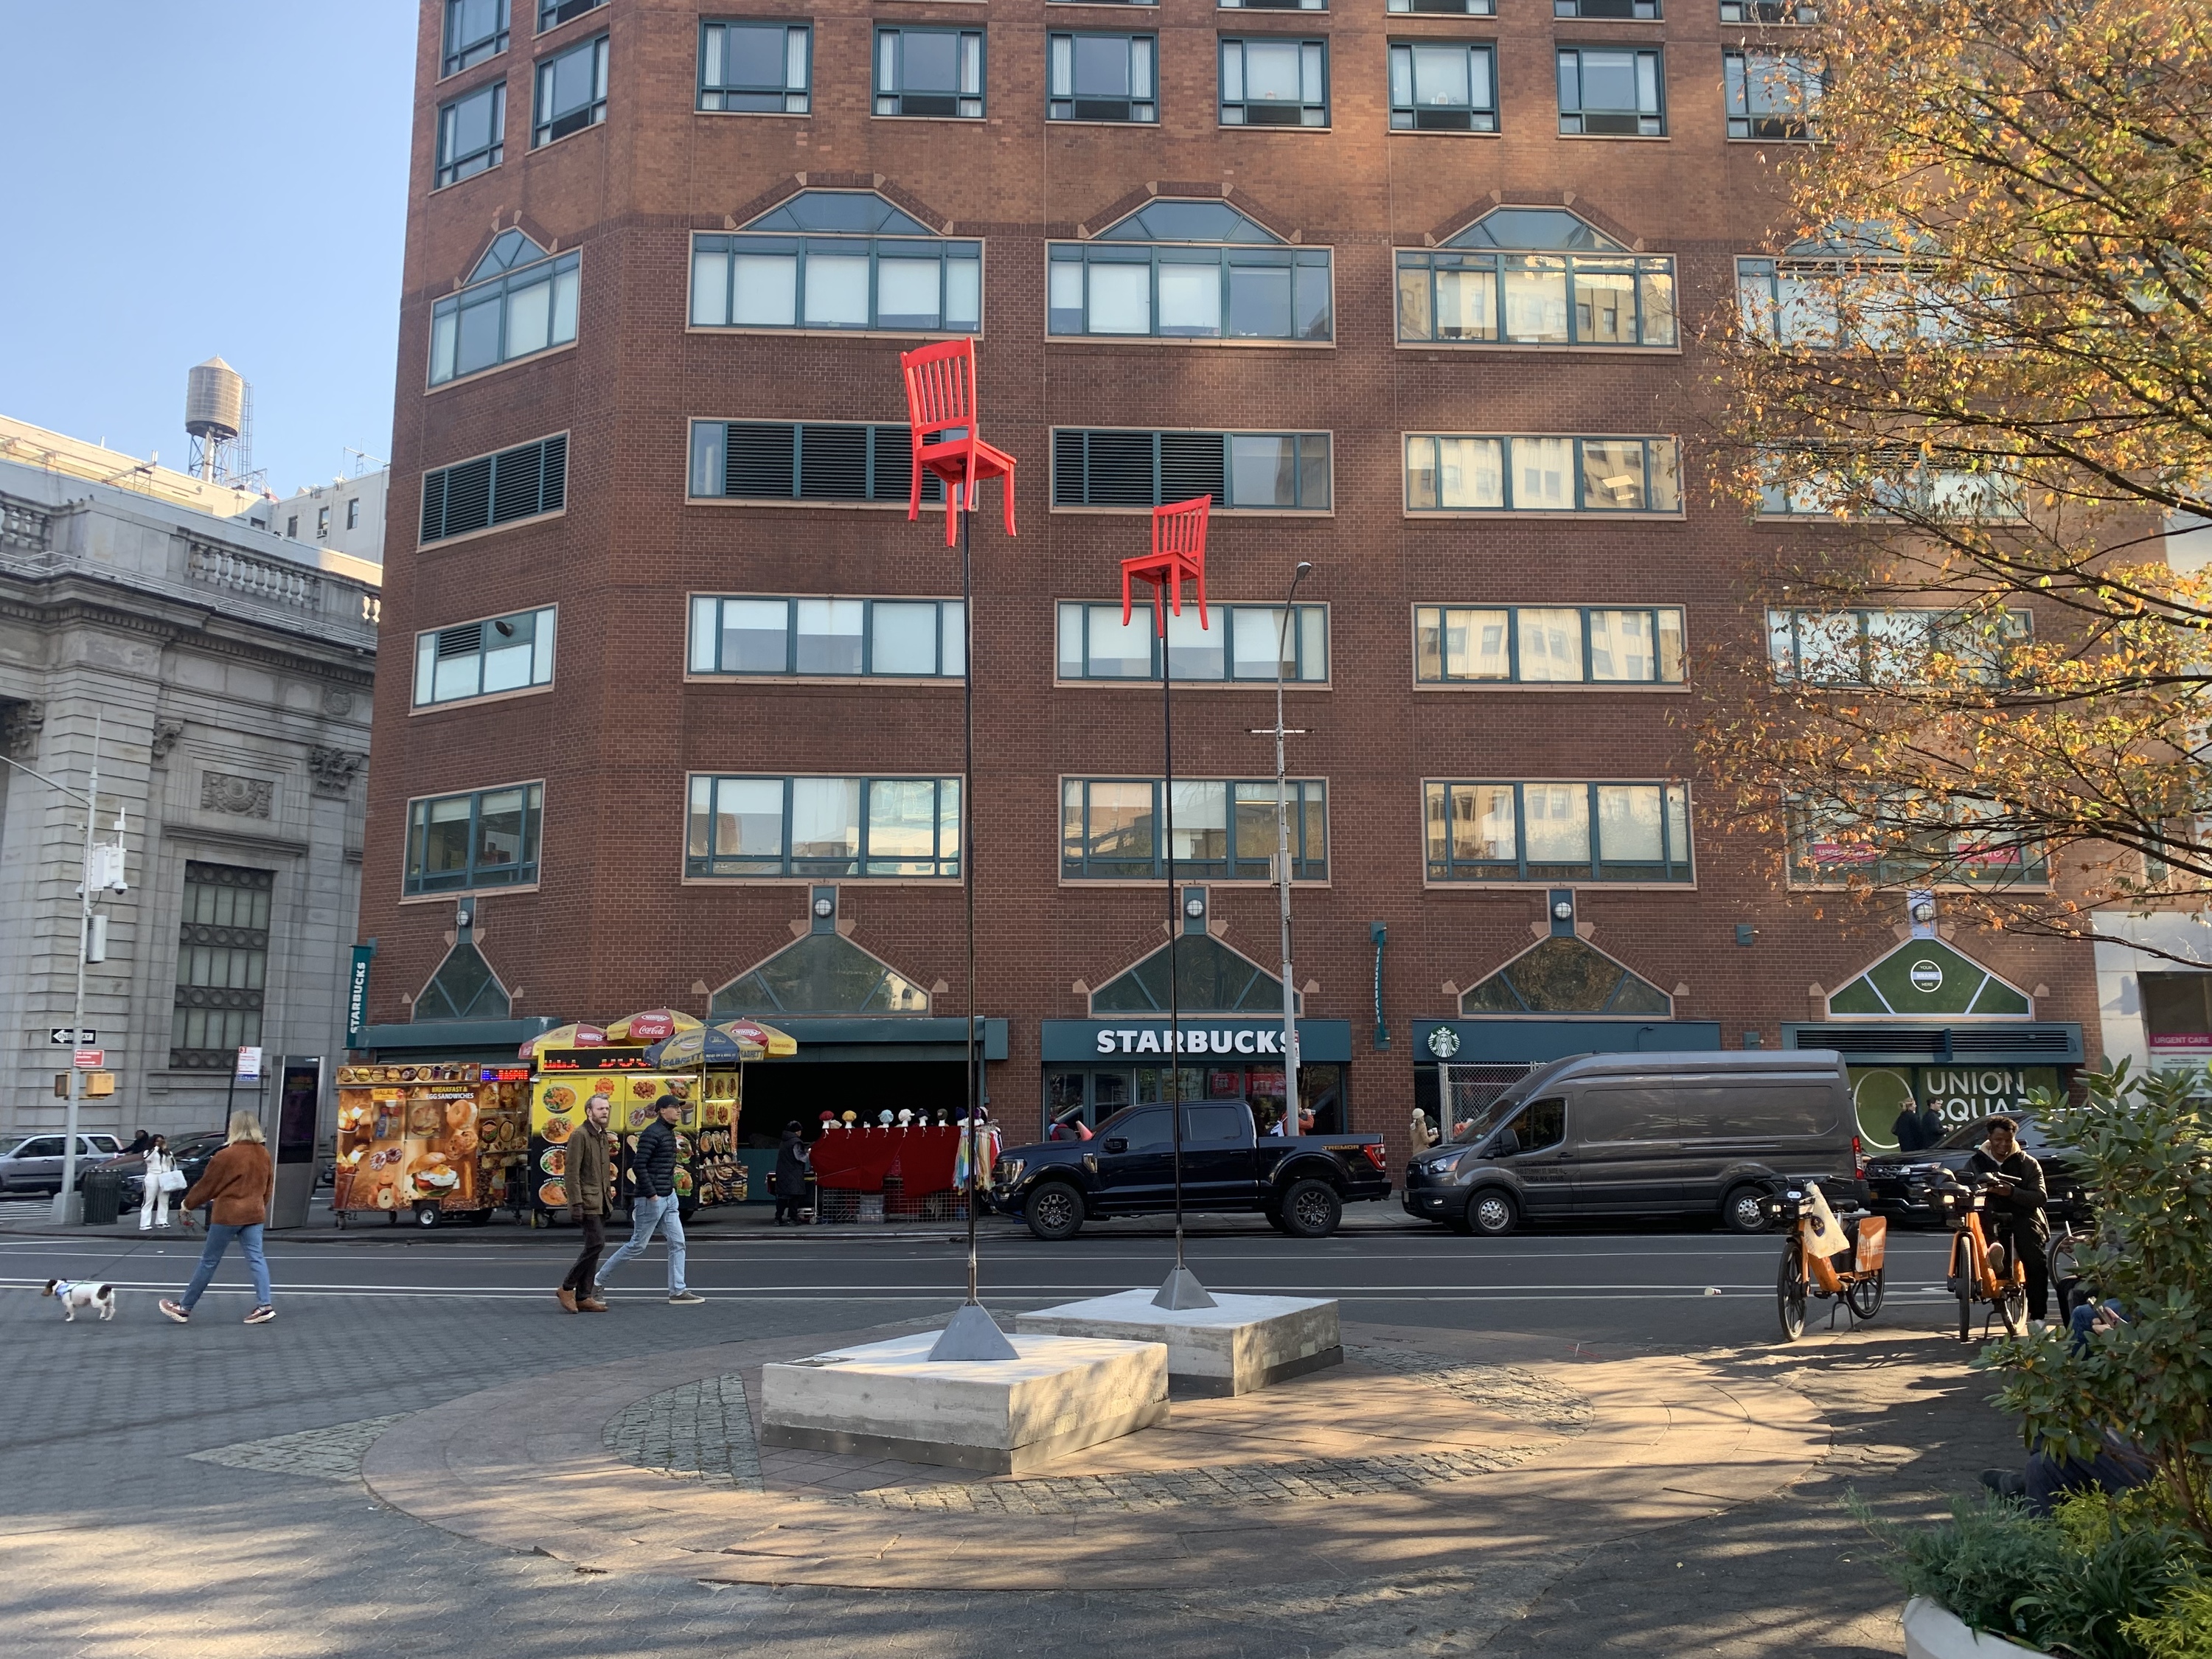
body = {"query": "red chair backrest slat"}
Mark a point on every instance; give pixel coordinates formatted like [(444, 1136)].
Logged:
[(940, 387), (1179, 530)]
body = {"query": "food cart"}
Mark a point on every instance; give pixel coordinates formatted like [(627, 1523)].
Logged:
[(432, 1142)]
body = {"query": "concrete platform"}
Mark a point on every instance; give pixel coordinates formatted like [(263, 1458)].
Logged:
[(999, 1417), (1240, 1344)]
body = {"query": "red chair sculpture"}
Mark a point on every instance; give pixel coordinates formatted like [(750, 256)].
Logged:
[(940, 400), (1178, 551)]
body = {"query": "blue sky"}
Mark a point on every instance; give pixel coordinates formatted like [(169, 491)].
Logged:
[(193, 180)]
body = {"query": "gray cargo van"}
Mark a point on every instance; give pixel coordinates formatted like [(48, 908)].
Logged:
[(1687, 1134)]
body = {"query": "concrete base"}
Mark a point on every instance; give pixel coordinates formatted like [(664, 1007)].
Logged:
[(999, 1417), (1239, 1344)]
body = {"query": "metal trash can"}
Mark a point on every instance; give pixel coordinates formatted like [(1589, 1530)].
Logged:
[(103, 1196)]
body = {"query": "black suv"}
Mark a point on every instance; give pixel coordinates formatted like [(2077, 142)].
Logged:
[(1902, 1184)]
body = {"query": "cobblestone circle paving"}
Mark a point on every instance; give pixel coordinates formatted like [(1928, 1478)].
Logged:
[(1507, 1388), (701, 1430), (331, 1454), (1304, 1482)]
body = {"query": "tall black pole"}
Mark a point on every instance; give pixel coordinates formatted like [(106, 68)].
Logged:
[(968, 860), (1174, 917)]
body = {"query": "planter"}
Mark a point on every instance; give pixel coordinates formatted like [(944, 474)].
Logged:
[(1932, 1631)]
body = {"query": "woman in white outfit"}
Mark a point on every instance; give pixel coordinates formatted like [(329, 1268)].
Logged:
[(155, 1194)]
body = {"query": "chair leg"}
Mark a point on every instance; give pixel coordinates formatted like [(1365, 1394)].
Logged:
[(1006, 482), (914, 492), (1200, 573)]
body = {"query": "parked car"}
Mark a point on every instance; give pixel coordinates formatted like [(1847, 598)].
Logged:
[(191, 1154), (1902, 1184), (1301, 1183), (1702, 1132), (33, 1164)]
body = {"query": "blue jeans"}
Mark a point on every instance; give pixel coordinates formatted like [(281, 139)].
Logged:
[(218, 1241), (648, 1216)]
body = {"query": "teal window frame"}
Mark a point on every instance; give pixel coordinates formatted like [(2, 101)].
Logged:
[(1788, 634), (1772, 13), (793, 95), (1308, 641), (1062, 102), (892, 95), (1433, 652), (1235, 109), (1610, 11), (552, 13), (1245, 803), (2021, 865), (1662, 461), (1309, 288), (478, 873), (1646, 119), (1440, 797), (704, 860), (442, 653), (1754, 112), (488, 492), (885, 458), (1445, 8), (456, 54), (1179, 466), (1656, 321), (1408, 108), (449, 315), (716, 271), (706, 649), (549, 126), (454, 164)]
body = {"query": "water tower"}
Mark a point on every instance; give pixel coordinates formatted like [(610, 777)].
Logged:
[(218, 414)]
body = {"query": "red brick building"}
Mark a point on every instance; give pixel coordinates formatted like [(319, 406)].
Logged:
[(1416, 294)]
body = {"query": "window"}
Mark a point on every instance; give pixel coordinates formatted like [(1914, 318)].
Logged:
[(758, 461), (1102, 77), (1530, 832), (1224, 829), (1535, 276), (1242, 472), (1853, 286), (837, 259), (551, 14), (459, 843), (1240, 645), (765, 68), (1272, 5), (1769, 11), (1438, 86), (322, 524), (475, 30), (1182, 269), (471, 133), (292, 526), (1530, 645), (1813, 483), (781, 827), (1890, 647), (572, 92), (936, 72), (1905, 841), (518, 301), (1771, 95), (223, 964), (1641, 10), (901, 639), (483, 659), (1449, 474), (1275, 83), (1607, 92), (517, 483), (1451, 8), (353, 512)]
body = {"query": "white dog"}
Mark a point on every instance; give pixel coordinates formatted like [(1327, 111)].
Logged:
[(73, 1294)]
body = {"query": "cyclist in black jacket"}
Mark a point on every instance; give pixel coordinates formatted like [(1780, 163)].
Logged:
[(654, 1208), (2016, 1205)]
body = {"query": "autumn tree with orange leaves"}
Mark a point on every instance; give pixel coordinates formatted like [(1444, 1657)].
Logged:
[(1979, 359)]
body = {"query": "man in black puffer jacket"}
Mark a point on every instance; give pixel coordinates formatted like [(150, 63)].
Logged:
[(654, 1209)]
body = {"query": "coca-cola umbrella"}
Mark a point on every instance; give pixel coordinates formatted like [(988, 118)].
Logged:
[(563, 1037), (652, 1025), (730, 1043)]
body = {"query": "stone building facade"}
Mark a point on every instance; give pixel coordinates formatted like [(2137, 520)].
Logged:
[(229, 676)]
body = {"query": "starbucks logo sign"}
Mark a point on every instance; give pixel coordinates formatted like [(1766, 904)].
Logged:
[(1927, 977), (1444, 1042)]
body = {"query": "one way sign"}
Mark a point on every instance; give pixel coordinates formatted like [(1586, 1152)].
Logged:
[(64, 1038)]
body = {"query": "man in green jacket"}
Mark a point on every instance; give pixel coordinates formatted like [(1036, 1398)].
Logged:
[(592, 1195)]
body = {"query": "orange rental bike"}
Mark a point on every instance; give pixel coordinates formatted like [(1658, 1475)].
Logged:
[(1845, 1265), (1981, 1272)]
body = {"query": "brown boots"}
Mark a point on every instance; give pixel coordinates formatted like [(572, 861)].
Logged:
[(567, 1298)]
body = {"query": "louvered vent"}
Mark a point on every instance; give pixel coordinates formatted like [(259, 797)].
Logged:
[(833, 463), (760, 462), (1191, 466)]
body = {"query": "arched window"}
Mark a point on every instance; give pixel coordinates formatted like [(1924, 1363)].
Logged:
[(463, 987), (519, 300), (1211, 978), (1191, 271), (1535, 276), (820, 974), (1568, 977), (847, 260)]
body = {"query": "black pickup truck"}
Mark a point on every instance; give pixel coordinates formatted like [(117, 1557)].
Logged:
[(1301, 1183)]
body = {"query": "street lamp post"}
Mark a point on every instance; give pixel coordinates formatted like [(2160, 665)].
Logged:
[(1283, 858)]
